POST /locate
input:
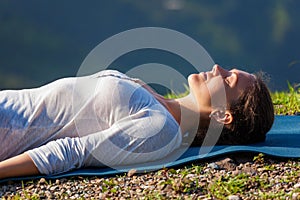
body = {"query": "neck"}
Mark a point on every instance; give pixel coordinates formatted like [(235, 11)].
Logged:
[(186, 112), (171, 105), (189, 115)]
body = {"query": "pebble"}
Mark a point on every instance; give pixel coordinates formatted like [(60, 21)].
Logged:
[(236, 172), (233, 197), (249, 170), (297, 185), (131, 172), (42, 181), (213, 165), (227, 164), (295, 196), (167, 183), (53, 188)]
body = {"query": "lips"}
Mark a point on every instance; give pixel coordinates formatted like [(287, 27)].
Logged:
[(204, 75)]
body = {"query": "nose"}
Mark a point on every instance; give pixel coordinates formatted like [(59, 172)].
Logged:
[(218, 70)]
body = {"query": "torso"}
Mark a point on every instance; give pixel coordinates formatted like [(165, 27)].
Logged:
[(70, 107)]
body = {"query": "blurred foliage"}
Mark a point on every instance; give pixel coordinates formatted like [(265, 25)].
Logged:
[(42, 41)]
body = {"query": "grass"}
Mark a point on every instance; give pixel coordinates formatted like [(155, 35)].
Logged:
[(195, 179), (287, 102)]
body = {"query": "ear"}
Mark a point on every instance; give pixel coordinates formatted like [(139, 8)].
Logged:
[(221, 116)]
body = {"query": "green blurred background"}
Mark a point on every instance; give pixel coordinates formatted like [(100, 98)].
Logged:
[(45, 40)]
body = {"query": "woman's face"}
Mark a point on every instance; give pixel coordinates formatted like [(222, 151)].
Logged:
[(218, 84)]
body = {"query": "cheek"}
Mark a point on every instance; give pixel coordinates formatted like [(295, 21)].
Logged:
[(215, 85), (232, 95), (217, 91), (203, 94)]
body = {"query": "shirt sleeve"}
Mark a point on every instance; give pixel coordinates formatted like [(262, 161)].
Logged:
[(145, 136)]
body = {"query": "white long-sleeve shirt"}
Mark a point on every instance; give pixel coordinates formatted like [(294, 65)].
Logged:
[(105, 119)]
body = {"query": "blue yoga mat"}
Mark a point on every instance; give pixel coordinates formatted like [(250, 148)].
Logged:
[(283, 141)]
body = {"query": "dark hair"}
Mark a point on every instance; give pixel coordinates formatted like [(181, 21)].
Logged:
[(253, 116)]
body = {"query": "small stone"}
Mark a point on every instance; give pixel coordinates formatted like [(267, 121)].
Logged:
[(131, 172), (213, 165), (53, 188), (236, 172), (295, 196), (247, 164), (249, 170), (297, 185), (30, 187), (227, 164), (233, 197), (207, 170), (42, 181)]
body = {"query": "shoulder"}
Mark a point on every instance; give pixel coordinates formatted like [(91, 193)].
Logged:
[(112, 73)]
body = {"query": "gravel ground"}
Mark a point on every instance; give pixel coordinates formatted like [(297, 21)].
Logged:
[(242, 176)]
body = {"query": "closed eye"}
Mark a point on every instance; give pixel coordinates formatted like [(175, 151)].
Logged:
[(230, 80), (227, 81)]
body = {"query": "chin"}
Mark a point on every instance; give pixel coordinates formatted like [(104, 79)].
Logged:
[(193, 78)]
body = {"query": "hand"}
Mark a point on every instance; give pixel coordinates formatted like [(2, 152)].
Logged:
[(21, 165)]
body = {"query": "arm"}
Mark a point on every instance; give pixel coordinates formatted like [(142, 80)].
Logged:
[(118, 145), (20, 165)]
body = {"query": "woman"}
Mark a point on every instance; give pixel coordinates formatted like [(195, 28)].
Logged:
[(67, 124)]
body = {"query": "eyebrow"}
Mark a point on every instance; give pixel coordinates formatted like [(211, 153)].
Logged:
[(253, 75)]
